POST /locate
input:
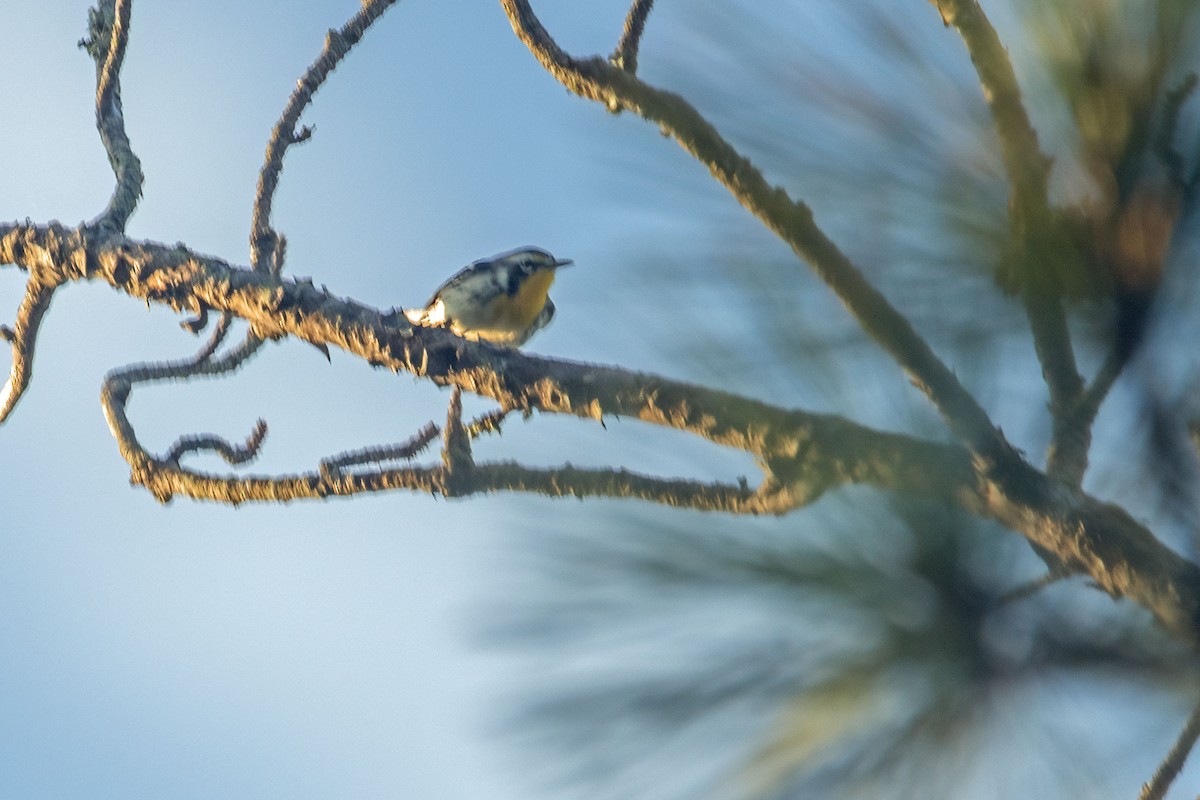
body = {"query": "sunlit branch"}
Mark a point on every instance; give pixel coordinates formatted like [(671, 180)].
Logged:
[(1157, 788), (596, 79), (487, 423), (818, 450), (22, 338), (263, 239), (626, 54), (1028, 171), (107, 41)]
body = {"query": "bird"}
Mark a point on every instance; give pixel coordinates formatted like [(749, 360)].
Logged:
[(503, 299)]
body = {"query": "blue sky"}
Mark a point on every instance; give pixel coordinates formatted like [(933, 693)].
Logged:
[(331, 649)]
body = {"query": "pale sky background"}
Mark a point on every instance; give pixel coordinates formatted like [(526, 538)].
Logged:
[(323, 650)]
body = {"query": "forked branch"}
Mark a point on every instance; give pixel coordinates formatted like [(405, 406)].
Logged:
[(1033, 227), (792, 221), (626, 54)]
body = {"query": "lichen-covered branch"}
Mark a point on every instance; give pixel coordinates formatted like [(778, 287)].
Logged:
[(815, 451), (263, 239), (802, 455), (596, 79)]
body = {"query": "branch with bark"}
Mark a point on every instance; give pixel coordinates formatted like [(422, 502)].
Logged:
[(802, 455)]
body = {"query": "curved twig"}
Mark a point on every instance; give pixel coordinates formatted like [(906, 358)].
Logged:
[(263, 239), (119, 383), (220, 331), (109, 24), (22, 338), (209, 442)]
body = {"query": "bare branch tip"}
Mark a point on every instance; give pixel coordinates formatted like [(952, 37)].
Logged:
[(197, 323), (1172, 765), (625, 57)]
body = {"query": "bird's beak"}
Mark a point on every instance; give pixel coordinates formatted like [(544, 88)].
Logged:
[(562, 262)]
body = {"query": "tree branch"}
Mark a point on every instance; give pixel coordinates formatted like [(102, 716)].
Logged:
[(108, 38), (792, 221), (626, 55), (379, 454), (803, 455), (1157, 788), (1033, 229), (1085, 535), (22, 337), (263, 239)]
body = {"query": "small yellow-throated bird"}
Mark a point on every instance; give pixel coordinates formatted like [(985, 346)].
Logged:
[(503, 299)]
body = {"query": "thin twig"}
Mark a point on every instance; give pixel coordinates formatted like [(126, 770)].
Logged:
[(263, 239), (808, 453), (209, 442), (22, 337), (1031, 221), (381, 454), (487, 423), (1169, 769), (119, 383), (201, 364), (1102, 384), (1030, 588), (1164, 143), (626, 55), (110, 21), (1073, 427)]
